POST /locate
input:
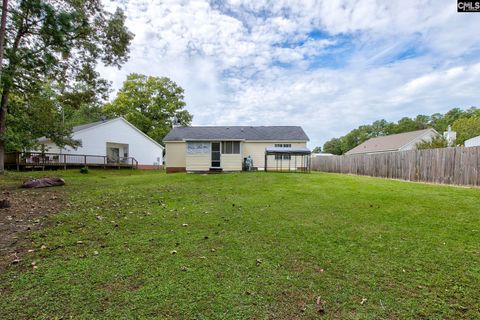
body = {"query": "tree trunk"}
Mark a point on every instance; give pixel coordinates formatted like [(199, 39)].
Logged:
[(5, 93), (3, 128), (3, 26)]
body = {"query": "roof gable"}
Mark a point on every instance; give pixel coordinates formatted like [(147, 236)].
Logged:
[(392, 142), (262, 133), (93, 125)]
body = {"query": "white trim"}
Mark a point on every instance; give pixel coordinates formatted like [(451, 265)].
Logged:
[(124, 120)]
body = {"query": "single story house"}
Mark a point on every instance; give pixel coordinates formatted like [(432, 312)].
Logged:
[(473, 142), (116, 139), (395, 142), (226, 147)]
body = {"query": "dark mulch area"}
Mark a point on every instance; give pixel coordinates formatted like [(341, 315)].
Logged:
[(28, 211)]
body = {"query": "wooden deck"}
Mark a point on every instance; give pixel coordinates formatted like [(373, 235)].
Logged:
[(38, 160)]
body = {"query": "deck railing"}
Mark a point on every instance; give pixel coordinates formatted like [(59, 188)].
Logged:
[(63, 159)]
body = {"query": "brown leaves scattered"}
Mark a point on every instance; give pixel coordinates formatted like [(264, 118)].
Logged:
[(26, 213)]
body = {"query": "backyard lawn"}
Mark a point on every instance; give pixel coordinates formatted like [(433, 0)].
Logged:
[(130, 244)]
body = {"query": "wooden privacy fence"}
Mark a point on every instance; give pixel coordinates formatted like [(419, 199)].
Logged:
[(460, 166)]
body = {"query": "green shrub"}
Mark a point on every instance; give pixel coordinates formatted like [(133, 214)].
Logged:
[(84, 170)]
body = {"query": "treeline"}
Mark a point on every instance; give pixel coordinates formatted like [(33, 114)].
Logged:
[(49, 53), (148, 102), (465, 122)]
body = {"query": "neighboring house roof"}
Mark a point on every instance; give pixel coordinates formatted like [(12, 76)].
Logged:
[(322, 154), (392, 142), (473, 142), (86, 126), (259, 133)]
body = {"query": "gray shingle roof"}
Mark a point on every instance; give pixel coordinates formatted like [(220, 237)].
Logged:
[(388, 143), (271, 133)]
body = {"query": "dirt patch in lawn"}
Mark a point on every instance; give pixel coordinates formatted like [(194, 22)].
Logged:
[(28, 211), (293, 304)]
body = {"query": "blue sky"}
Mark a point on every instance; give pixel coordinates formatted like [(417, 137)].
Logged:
[(328, 66)]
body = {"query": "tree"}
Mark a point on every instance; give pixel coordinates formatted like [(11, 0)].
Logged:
[(407, 124), (58, 42), (381, 128), (359, 135), (3, 26), (466, 128), (150, 103), (436, 142), (333, 146), (40, 116), (317, 150)]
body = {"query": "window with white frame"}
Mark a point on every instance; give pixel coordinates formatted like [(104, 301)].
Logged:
[(285, 156), (231, 147), (198, 147), (282, 156)]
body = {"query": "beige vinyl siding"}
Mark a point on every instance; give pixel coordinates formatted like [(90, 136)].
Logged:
[(175, 153), (176, 156), (198, 162), (231, 162), (257, 151)]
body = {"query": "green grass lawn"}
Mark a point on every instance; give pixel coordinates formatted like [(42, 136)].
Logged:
[(251, 246)]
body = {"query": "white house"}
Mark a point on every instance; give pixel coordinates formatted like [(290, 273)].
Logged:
[(473, 142), (116, 138)]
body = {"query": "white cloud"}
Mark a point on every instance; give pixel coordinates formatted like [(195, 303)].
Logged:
[(326, 65)]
